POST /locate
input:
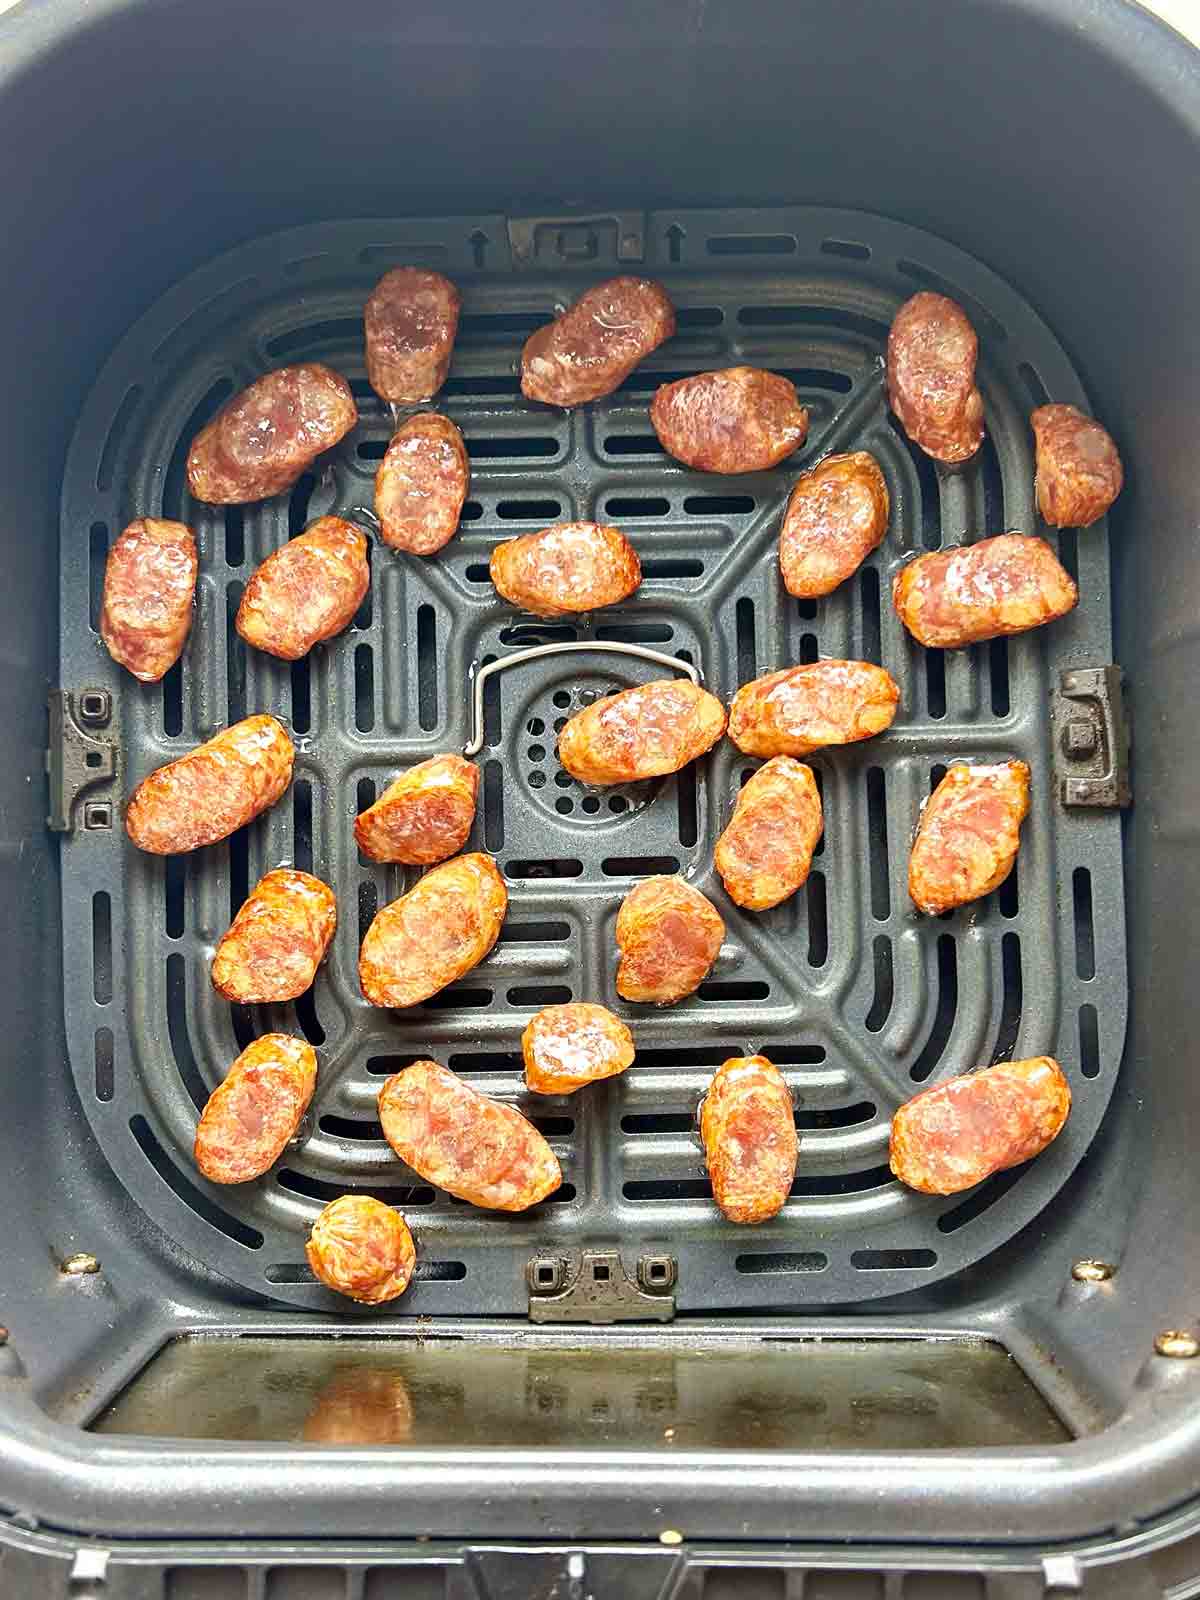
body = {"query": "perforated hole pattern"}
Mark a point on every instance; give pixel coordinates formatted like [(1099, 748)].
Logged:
[(858, 999)]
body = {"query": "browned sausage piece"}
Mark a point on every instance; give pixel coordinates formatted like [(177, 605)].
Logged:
[(593, 347), (149, 591), (931, 354), (748, 1125), (260, 442), (798, 709), (956, 1134), (439, 930), (968, 835), (668, 936), (463, 1142), (422, 484), (739, 420), (362, 1248), (424, 817), (573, 566), (641, 733), (411, 319), (566, 1047), (213, 790), (1079, 472), (252, 1115), (1007, 584), (306, 591), (273, 947), (836, 515), (766, 851)]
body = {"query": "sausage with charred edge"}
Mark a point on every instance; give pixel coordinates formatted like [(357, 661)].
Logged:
[(594, 345), (253, 1114), (273, 947), (421, 485), (798, 709), (425, 816), (306, 591), (1079, 472), (1007, 584), (836, 515), (362, 1249), (149, 594), (573, 566), (766, 850), (668, 936), (931, 353), (410, 322), (644, 732), (968, 835), (435, 933), (565, 1047), (741, 419), (748, 1125)]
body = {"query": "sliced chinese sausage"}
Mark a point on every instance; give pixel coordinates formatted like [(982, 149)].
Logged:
[(573, 566), (766, 850), (306, 591), (260, 442), (1007, 584), (1079, 472), (955, 1134), (798, 709), (741, 419), (362, 1248), (213, 790), (410, 320), (149, 592), (253, 1114), (422, 484), (463, 1142), (931, 353), (644, 732), (423, 817), (836, 515), (968, 835), (435, 933), (594, 345), (748, 1125), (668, 936), (273, 947), (565, 1047)]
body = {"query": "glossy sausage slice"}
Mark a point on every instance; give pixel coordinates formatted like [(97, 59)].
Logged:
[(668, 936), (741, 419), (798, 709), (766, 850), (593, 347), (968, 835), (149, 592), (565, 1047), (748, 1125), (463, 1142), (1079, 472), (956, 1134), (836, 515), (251, 1117), (422, 484), (273, 947), (423, 817), (439, 930), (362, 1248), (931, 354), (644, 732), (1007, 584), (213, 790), (306, 591), (573, 566), (410, 322)]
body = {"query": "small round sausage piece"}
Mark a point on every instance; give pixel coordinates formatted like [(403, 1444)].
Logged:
[(766, 851), (748, 1125), (213, 790), (668, 936), (798, 709), (149, 591), (463, 1142), (931, 354), (410, 319), (306, 591), (1079, 472), (739, 420), (1007, 584), (573, 566), (968, 835), (836, 515), (423, 817), (362, 1248), (567, 1047), (641, 733), (956, 1134), (439, 930), (260, 442), (593, 347), (422, 484), (254, 1113), (273, 947)]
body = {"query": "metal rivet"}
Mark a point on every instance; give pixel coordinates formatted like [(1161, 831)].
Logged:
[(80, 1265), (1177, 1343), (1089, 1270), (670, 1536)]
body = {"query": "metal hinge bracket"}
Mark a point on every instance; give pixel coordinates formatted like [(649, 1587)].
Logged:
[(1091, 735), (596, 1288), (610, 238), (77, 760)]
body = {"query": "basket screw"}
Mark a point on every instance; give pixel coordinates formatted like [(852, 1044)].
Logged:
[(1090, 1270), (1178, 1344), (670, 1536), (80, 1265)]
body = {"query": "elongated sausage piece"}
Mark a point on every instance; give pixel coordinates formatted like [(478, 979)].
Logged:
[(213, 790), (363, 1249), (766, 850), (668, 936), (748, 1125), (568, 1046), (573, 566), (1007, 584), (273, 947), (149, 593), (644, 732), (955, 1134), (306, 591), (741, 419), (423, 817), (931, 354), (463, 1142), (410, 322), (836, 515), (422, 484), (968, 836), (593, 347), (798, 709), (1079, 472), (439, 930), (253, 1114), (260, 442)]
